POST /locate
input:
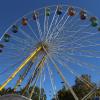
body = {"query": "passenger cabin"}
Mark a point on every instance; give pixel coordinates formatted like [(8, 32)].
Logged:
[(14, 29), (59, 10), (83, 15), (71, 11), (24, 21)]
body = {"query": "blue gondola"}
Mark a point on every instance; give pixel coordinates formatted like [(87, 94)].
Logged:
[(35, 15), (14, 29), (59, 10), (83, 15), (0, 50)]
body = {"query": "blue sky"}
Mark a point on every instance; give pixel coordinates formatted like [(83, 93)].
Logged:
[(11, 10)]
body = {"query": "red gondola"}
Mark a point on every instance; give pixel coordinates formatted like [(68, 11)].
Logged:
[(71, 11)]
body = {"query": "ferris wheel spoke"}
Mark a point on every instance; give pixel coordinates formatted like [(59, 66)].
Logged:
[(80, 30), (81, 38), (51, 24), (77, 47), (25, 50), (83, 64), (84, 53), (19, 40), (61, 61), (61, 75), (52, 81), (13, 58), (39, 29), (25, 34), (65, 39), (46, 28), (24, 74), (57, 24), (16, 47), (90, 86), (12, 66), (45, 24), (30, 80), (72, 35), (41, 67), (60, 29), (69, 22), (85, 43), (33, 32), (40, 87), (56, 20)]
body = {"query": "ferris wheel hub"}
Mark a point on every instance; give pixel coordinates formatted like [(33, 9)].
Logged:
[(44, 46)]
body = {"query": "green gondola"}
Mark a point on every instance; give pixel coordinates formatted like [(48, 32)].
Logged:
[(47, 12), (1, 46), (59, 10), (14, 29), (6, 37), (94, 21), (98, 28)]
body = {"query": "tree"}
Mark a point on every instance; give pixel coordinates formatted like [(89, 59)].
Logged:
[(35, 96), (36, 93), (81, 89)]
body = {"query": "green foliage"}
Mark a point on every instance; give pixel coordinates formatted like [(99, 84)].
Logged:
[(35, 96), (81, 89)]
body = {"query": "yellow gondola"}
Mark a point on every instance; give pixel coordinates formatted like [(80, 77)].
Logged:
[(24, 21)]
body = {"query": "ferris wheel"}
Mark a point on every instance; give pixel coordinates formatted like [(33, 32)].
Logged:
[(49, 47)]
